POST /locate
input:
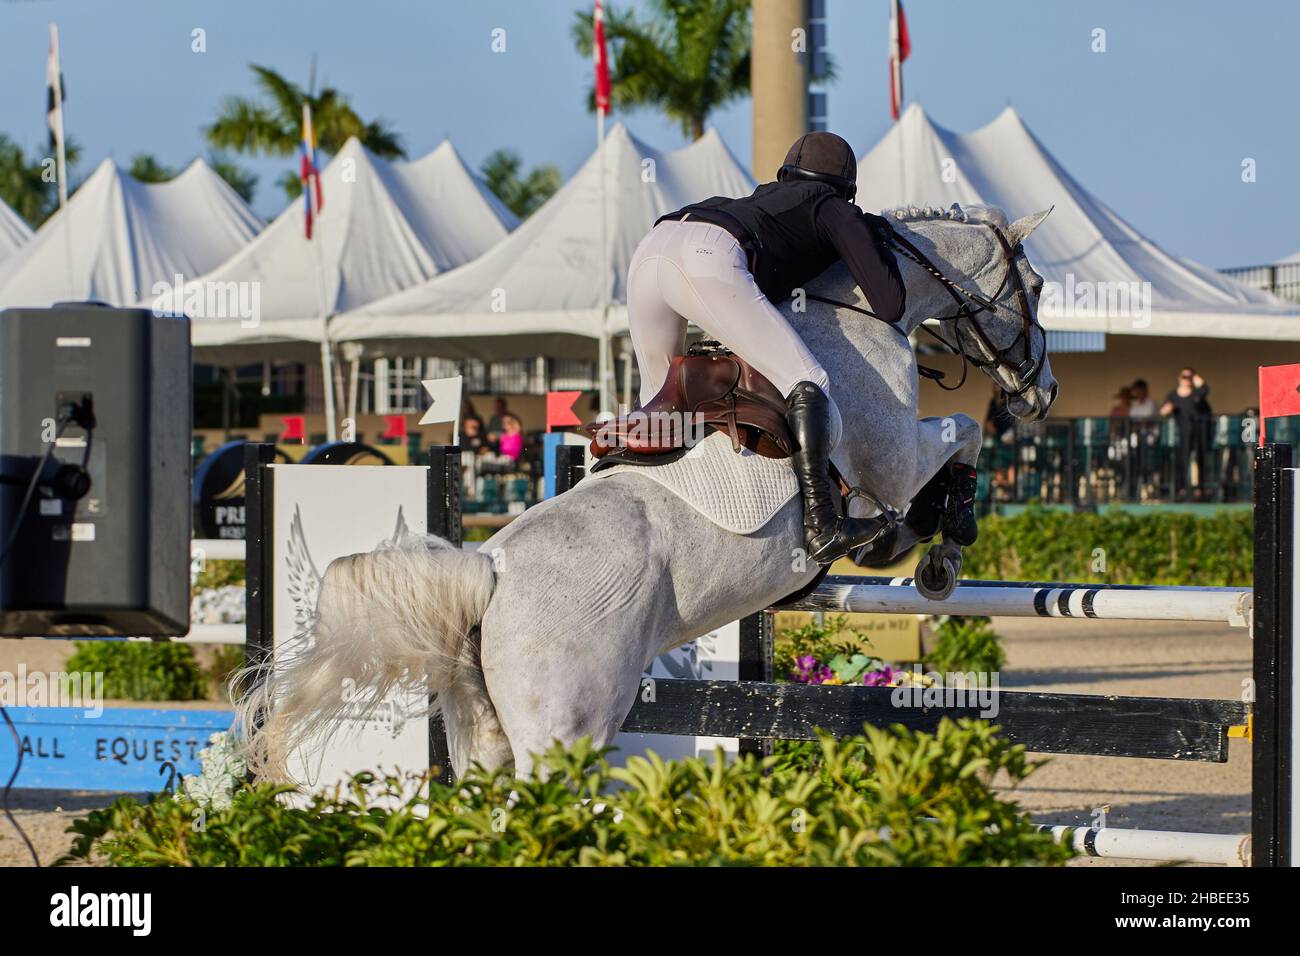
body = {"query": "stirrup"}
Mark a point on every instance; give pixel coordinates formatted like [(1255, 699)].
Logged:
[(839, 545)]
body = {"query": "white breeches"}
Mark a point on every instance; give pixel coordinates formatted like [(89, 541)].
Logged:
[(696, 272)]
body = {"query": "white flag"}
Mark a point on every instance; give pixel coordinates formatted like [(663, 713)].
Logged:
[(445, 404)]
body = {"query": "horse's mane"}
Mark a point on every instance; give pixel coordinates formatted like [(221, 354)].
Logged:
[(972, 212)]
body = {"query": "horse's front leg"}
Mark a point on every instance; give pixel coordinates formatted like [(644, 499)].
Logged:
[(945, 504), (942, 495)]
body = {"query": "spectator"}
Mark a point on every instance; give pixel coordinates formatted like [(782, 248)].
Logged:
[(1190, 410), (1123, 406), (512, 437), (495, 423), (471, 435), (1143, 405)]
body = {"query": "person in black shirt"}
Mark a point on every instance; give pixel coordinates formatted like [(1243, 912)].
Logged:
[(723, 264), (1188, 406)]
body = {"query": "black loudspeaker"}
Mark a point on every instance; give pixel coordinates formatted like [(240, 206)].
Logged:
[(96, 407)]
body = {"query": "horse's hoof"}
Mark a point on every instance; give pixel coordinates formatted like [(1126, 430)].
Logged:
[(936, 575)]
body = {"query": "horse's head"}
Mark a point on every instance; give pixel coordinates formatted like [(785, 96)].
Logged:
[(966, 269)]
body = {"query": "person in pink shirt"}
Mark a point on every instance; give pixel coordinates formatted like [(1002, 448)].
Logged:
[(512, 437)]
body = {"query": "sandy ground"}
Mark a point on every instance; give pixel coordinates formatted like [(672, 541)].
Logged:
[(1089, 657), (1138, 658)]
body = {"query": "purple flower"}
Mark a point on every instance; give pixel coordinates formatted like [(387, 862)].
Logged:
[(809, 671), (879, 678)]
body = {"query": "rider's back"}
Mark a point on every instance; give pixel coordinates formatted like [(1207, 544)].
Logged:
[(792, 231)]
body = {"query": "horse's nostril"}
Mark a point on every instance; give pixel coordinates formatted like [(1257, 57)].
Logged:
[(1052, 394)]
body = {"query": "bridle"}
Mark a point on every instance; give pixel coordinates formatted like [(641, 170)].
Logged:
[(970, 304)]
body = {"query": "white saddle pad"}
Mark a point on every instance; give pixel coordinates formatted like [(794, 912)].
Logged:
[(740, 493)]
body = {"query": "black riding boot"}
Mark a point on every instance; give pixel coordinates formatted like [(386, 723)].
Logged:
[(826, 535)]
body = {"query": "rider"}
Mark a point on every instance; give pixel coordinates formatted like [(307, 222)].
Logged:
[(724, 263)]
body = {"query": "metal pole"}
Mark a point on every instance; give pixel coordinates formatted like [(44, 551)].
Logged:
[(877, 595)]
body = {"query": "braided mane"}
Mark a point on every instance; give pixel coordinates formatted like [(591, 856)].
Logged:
[(972, 213)]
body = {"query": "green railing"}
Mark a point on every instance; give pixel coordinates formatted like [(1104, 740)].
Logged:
[(1092, 461)]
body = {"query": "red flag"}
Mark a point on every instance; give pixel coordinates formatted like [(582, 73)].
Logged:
[(559, 409), (1279, 393), (293, 428), (601, 59), (900, 48), (394, 426)]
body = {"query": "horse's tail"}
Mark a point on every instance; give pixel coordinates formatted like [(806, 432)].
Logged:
[(403, 617)]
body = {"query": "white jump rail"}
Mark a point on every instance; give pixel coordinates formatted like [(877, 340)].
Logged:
[(1163, 846), (879, 595)]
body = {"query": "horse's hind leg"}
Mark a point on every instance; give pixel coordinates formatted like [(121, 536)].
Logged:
[(474, 731)]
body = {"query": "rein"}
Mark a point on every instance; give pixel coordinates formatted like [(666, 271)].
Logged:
[(1026, 370)]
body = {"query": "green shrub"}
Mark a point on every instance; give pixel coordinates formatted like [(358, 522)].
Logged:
[(965, 644), (142, 670), (889, 799), (815, 640), (1163, 547)]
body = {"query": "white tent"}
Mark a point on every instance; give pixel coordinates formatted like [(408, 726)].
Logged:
[(1083, 246), (14, 233), (1294, 257), (126, 236), (542, 289), (383, 227)]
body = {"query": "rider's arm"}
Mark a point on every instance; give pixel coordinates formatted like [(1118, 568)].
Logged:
[(870, 262)]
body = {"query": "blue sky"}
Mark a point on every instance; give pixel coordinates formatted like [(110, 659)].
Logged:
[(1157, 126)]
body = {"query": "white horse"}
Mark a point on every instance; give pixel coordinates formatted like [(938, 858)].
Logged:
[(545, 633)]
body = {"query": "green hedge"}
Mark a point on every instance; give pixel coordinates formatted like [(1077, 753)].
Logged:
[(142, 670), (889, 799), (1164, 547)]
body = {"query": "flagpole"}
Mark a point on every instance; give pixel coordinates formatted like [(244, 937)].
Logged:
[(600, 60), (310, 178), (605, 370), (326, 353), (61, 158)]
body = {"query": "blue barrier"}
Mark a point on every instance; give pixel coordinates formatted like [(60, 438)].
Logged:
[(122, 749)]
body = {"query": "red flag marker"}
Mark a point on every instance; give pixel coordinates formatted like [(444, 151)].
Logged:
[(559, 409), (294, 428), (1279, 393), (394, 426)]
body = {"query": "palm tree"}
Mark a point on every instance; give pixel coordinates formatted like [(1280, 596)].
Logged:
[(688, 59), (272, 125), (26, 185), (524, 194), (146, 168)]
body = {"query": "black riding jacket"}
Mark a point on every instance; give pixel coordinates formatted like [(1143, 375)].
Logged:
[(793, 231)]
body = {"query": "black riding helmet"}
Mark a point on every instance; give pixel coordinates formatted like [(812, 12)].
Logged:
[(824, 158)]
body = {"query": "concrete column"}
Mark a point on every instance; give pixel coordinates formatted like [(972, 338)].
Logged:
[(779, 82)]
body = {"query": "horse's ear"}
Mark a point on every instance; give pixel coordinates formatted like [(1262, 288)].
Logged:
[(1019, 230)]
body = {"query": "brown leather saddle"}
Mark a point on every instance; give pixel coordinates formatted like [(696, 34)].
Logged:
[(709, 388)]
